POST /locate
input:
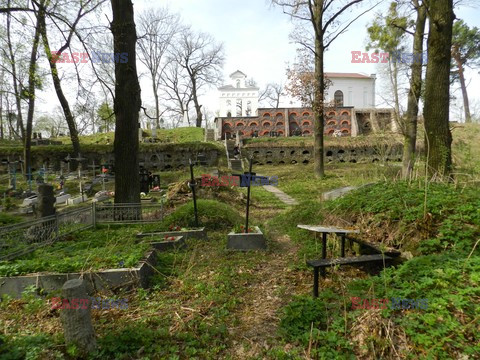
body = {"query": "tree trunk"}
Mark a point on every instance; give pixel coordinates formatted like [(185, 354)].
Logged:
[(414, 94), (127, 104), (198, 107), (18, 100), (461, 75), (394, 80), (318, 112), (1, 115), (31, 90), (58, 89), (437, 85), (157, 105)]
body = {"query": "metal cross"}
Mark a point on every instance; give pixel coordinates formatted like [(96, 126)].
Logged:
[(192, 185)]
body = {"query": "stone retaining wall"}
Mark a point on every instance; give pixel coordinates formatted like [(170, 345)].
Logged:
[(278, 155)]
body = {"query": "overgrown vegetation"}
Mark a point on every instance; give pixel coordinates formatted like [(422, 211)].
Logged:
[(205, 302), (442, 229)]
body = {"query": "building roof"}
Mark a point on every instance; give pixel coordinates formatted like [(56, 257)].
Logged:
[(230, 87), (237, 73), (347, 75)]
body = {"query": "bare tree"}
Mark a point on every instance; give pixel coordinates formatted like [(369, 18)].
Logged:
[(272, 94), (177, 92), (324, 19), (202, 60), (32, 84), (16, 85), (157, 28)]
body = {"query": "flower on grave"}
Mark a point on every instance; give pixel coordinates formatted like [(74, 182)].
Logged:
[(121, 263), (172, 238)]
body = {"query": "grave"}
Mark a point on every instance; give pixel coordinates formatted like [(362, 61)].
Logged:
[(29, 201), (248, 240), (46, 200), (62, 199), (77, 200), (109, 279), (144, 181), (200, 233), (101, 195)]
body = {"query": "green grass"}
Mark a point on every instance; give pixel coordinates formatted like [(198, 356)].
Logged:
[(83, 251), (178, 135), (445, 271)]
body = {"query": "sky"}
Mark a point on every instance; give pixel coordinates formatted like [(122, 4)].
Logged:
[(256, 39), (255, 35)]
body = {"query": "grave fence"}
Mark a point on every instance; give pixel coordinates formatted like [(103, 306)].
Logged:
[(20, 239)]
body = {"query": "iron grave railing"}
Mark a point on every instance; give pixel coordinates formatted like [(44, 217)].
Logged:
[(19, 239)]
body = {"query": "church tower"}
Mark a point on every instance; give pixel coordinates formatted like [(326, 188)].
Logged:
[(238, 98)]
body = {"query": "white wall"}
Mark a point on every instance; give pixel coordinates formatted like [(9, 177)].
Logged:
[(357, 92)]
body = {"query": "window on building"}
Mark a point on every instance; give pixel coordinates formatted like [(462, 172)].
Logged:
[(239, 107), (338, 97), (248, 112), (238, 83)]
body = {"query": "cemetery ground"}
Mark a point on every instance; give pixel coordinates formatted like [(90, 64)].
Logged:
[(206, 302)]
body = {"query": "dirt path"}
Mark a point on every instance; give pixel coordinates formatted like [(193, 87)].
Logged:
[(272, 288)]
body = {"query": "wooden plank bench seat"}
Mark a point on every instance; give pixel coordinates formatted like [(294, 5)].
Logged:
[(322, 263)]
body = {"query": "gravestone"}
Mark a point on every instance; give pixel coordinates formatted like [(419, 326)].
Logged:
[(76, 319), (46, 201), (144, 181), (156, 181)]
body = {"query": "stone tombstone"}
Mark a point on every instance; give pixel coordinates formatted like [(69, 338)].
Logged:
[(144, 181), (76, 318), (46, 201), (156, 181)]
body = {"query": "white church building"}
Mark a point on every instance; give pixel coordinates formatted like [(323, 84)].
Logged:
[(351, 94), (238, 98)]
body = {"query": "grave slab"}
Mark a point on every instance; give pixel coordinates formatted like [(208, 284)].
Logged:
[(246, 241), (62, 199), (77, 200), (189, 233), (94, 281)]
